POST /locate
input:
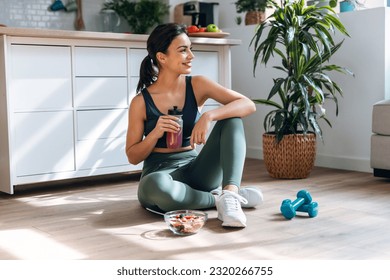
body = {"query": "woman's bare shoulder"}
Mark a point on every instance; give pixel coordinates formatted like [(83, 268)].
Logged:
[(137, 100), (200, 79), (137, 105)]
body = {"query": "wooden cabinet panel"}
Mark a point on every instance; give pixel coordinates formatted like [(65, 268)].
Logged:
[(133, 87), (136, 57), (89, 61), (206, 64), (43, 143), (100, 124), (100, 92), (101, 153), (40, 77)]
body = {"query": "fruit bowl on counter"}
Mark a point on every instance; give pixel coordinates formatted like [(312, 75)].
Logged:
[(211, 31), (209, 34)]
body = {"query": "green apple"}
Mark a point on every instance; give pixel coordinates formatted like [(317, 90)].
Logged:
[(333, 3), (212, 28)]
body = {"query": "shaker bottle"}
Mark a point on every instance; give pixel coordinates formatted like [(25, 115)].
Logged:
[(175, 139)]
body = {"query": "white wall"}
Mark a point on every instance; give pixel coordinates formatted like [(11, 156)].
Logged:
[(347, 144), (35, 14)]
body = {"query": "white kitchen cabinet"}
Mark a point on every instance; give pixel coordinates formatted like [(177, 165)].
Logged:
[(100, 92), (43, 143), (41, 100), (136, 55), (100, 61), (64, 98), (206, 63), (101, 138), (40, 77), (101, 104)]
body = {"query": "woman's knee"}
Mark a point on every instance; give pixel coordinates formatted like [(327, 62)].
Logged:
[(231, 123), (233, 126), (153, 182)]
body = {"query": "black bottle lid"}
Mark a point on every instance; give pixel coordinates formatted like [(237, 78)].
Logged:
[(175, 111)]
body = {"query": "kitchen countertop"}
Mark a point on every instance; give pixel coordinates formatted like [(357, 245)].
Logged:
[(89, 35)]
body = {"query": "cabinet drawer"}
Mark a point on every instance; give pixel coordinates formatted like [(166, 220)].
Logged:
[(101, 153), (100, 62), (43, 143), (40, 77), (208, 58), (101, 124), (133, 87), (100, 92), (135, 59)]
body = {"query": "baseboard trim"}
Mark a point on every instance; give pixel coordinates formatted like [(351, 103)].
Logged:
[(345, 163), (381, 173)]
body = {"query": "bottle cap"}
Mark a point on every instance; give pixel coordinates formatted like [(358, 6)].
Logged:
[(175, 111)]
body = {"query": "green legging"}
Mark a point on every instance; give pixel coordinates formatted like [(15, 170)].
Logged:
[(184, 180)]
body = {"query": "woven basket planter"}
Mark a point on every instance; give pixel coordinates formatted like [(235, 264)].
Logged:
[(291, 158), (254, 17)]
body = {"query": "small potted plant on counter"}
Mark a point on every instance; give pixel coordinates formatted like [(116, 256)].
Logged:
[(140, 15), (254, 9)]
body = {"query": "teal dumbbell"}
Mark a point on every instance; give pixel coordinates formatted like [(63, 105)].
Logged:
[(289, 208), (311, 209)]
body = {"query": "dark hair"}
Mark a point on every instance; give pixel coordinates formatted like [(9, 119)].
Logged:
[(159, 41)]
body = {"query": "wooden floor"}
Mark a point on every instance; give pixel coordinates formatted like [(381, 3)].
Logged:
[(103, 220)]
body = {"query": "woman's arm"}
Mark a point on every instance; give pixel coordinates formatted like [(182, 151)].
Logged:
[(233, 103)]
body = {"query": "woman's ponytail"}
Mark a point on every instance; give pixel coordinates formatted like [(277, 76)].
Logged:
[(147, 74)]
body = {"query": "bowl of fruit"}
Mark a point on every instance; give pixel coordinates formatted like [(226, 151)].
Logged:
[(185, 222), (211, 30)]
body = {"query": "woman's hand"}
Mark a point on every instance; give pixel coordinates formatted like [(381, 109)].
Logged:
[(200, 130), (166, 123)]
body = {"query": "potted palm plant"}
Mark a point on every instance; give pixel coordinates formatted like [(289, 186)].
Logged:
[(302, 38), (140, 15), (254, 10)]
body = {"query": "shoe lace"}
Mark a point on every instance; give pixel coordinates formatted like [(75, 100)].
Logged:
[(232, 200)]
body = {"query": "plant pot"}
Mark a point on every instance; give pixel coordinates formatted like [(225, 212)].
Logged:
[(291, 158), (346, 6), (254, 17)]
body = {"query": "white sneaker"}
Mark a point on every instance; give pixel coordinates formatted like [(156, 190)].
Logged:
[(229, 209), (253, 195)]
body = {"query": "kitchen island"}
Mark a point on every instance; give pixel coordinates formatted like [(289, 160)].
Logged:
[(64, 97)]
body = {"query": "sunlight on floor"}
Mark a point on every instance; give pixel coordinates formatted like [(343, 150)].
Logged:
[(155, 237), (27, 244), (41, 201)]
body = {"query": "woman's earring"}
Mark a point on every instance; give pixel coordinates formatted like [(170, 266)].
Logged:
[(155, 69)]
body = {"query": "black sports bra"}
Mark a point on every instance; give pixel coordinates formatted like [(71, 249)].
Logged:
[(190, 115)]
